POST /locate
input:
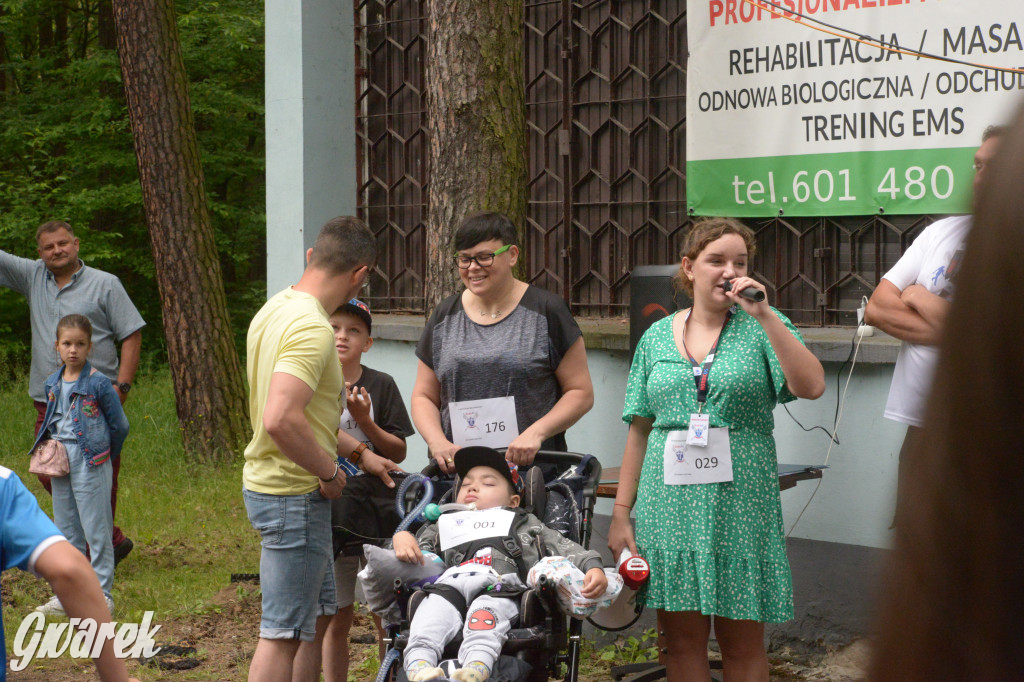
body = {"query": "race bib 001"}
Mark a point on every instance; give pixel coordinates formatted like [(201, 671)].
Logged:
[(455, 528)]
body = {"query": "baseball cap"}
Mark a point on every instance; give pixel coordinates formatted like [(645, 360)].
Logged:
[(481, 456), (360, 310)]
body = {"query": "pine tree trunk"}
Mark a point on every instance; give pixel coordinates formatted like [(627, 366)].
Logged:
[(476, 115), (105, 25), (204, 364)]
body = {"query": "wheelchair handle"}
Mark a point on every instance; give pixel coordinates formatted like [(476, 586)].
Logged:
[(546, 457)]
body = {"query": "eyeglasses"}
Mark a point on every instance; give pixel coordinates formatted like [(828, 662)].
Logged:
[(484, 260)]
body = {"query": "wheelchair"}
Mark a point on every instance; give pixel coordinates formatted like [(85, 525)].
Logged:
[(561, 490)]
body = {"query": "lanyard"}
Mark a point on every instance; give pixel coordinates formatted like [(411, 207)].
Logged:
[(701, 372)]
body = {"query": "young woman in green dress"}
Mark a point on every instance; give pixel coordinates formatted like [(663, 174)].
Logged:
[(700, 463)]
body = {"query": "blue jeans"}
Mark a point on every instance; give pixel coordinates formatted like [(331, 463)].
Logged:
[(81, 510), (296, 562)]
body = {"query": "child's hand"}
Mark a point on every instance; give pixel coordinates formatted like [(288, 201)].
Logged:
[(358, 403), (375, 465), (407, 549), (594, 583)]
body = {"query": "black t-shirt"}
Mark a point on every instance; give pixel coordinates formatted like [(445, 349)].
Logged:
[(386, 407), (515, 357)]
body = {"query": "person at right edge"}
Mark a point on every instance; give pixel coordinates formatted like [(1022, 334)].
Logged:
[(911, 303), (951, 599), (700, 461)]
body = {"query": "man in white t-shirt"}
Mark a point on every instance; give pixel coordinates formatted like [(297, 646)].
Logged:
[(911, 303)]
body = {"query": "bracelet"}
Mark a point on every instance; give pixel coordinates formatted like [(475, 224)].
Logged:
[(337, 468), (619, 504), (357, 453)]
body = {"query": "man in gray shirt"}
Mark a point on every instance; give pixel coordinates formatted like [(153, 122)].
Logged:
[(60, 284)]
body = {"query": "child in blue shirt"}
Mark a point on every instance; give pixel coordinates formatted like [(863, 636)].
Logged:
[(30, 541), (84, 413)]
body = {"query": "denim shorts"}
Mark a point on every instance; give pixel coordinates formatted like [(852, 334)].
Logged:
[(296, 567)]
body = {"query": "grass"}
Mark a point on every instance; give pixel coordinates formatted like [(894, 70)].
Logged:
[(191, 533), (188, 521)]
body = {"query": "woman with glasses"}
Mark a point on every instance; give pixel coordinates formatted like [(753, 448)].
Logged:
[(501, 363)]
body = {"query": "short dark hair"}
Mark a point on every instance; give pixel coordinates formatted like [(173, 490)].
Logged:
[(345, 243), (53, 226), (993, 131), (482, 227), (75, 321)]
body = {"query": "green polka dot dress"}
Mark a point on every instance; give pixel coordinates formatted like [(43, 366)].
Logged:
[(717, 548)]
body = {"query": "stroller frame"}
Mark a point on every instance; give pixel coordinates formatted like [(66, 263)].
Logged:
[(555, 639)]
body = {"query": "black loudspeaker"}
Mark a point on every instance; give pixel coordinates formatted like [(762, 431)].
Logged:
[(652, 297)]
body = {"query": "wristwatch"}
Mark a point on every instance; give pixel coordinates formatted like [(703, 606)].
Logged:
[(124, 387), (357, 453)]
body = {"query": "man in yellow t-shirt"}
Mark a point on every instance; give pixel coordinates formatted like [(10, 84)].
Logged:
[(291, 472)]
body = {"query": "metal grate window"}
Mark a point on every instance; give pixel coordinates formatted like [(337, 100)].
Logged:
[(606, 118), (391, 131)]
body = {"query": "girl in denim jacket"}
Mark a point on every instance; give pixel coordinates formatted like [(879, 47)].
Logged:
[(84, 413)]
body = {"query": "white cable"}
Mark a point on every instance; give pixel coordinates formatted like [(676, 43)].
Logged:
[(835, 429)]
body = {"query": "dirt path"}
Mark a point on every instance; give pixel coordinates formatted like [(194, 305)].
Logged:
[(219, 644)]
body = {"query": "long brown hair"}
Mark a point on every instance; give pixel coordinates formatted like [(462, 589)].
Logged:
[(952, 606)]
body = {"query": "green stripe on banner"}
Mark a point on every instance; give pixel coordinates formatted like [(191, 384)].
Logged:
[(852, 183)]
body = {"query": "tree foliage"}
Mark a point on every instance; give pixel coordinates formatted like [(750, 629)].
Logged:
[(66, 148)]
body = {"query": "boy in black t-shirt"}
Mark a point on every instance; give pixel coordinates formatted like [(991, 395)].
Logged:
[(375, 417)]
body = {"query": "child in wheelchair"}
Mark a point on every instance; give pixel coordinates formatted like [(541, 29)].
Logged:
[(488, 553)]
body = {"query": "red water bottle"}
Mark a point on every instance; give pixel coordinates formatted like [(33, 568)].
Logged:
[(634, 569)]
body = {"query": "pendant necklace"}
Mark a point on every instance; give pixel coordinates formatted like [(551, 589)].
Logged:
[(495, 315)]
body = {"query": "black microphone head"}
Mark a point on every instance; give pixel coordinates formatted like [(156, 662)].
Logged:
[(727, 286), (754, 294)]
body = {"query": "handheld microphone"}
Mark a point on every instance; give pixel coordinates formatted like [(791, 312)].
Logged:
[(750, 293)]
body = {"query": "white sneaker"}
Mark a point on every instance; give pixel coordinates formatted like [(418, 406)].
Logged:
[(110, 604), (52, 607), (426, 674)]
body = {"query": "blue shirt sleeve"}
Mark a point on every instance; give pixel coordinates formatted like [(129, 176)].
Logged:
[(23, 525)]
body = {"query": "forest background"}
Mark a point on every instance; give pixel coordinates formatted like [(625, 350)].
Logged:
[(66, 151)]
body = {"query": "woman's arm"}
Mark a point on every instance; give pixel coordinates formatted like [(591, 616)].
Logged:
[(620, 534), (805, 377), (573, 377), (426, 415)]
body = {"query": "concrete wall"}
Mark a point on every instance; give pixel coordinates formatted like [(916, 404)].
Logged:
[(854, 501), (310, 128)]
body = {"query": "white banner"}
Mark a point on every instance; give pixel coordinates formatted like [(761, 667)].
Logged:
[(845, 125)]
